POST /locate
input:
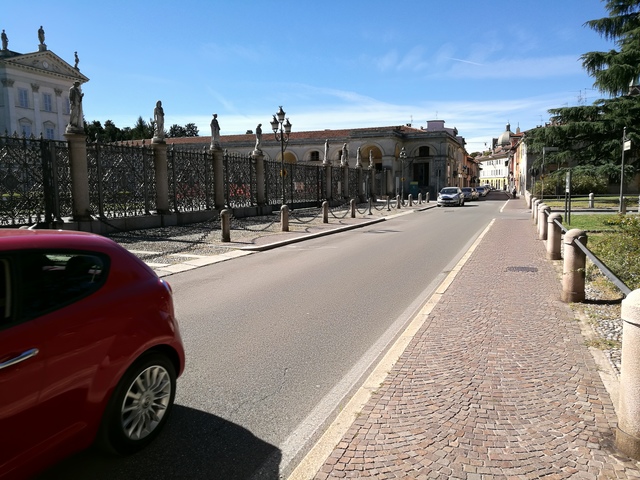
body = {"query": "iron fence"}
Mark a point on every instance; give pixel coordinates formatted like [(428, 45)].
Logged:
[(191, 180), (240, 180), (273, 182), (336, 182), (353, 181), (307, 182)]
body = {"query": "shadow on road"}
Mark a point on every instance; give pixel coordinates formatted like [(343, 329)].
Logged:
[(193, 445)]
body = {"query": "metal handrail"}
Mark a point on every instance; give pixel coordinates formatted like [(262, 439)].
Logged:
[(598, 263)]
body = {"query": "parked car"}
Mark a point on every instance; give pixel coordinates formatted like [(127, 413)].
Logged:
[(482, 191), (469, 194), (90, 349), (450, 196)]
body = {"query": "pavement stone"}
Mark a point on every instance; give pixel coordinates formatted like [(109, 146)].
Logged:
[(497, 384)]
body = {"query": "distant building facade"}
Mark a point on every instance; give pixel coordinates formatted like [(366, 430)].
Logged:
[(503, 166), (435, 155), (34, 100)]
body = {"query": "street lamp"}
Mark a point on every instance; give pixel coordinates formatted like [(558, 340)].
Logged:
[(544, 151), (281, 130), (403, 157)]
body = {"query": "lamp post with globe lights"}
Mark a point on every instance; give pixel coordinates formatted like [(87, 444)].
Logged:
[(282, 131)]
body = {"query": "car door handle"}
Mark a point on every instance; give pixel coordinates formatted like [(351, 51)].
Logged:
[(20, 358)]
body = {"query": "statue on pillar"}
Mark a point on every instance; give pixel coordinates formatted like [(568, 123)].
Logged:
[(371, 159), (41, 35), (326, 161), (5, 40), (75, 54), (358, 158), (344, 161), (258, 138), (215, 132), (76, 121), (158, 119)]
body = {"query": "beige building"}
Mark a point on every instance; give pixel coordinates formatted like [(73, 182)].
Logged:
[(433, 157), (35, 91)]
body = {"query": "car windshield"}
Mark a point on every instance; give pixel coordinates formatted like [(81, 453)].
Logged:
[(466, 189), (449, 190)]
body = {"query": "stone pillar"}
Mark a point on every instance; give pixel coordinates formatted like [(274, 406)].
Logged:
[(352, 205), (427, 197), (543, 213), (218, 177), (258, 158), (225, 221), (554, 237), (79, 175), (372, 182), (345, 182), (410, 199), (160, 166), (628, 430), (284, 218), (534, 210), (361, 192), (573, 267), (325, 212), (398, 202), (591, 200), (533, 202)]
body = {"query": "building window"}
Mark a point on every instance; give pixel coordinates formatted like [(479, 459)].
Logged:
[(423, 152), (314, 156), (49, 132), (67, 106), (47, 102), (23, 98), (25, 128)]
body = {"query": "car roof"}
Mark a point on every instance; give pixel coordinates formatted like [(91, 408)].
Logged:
[(18, 239)]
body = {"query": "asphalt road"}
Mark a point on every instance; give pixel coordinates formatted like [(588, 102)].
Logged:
[(277, 340)]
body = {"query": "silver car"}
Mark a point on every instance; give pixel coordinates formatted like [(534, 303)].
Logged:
[(452, 196)]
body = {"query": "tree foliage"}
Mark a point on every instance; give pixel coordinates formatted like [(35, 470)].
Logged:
[(591, 136), (141, 130)]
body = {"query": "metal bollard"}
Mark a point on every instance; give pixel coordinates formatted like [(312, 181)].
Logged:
[(543, 212), (225, 221), (325, 212), (410, 200), (573, 267), (554, 237), (352, 204), (284, 218), (628, 429)]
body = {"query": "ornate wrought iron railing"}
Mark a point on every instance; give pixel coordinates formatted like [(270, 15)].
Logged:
[(240, 180), (191, 180)]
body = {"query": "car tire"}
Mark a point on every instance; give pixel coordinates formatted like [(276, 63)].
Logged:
[(139, 406)]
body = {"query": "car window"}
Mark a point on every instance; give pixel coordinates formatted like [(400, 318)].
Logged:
[(51, 280)]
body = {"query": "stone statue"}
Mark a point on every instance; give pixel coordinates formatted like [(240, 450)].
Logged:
[(41, 35), (326, 152), (345, 155), (370, 158), (5, 40), (358, 158), (158, 118), (75, 101), (258, 137), (75, 54), (215, 131)]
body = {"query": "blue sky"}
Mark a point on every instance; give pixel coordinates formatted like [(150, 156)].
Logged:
[(330, 64)]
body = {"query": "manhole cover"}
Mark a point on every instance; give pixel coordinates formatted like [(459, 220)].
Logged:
[(522, 269)]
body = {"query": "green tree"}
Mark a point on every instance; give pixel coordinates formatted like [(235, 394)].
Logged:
[(591, 135), (191, 130)]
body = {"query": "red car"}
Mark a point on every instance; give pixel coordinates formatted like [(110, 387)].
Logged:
[(89, 349)]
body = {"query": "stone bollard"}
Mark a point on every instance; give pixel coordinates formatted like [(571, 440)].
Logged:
[(410, 198), (398, 204), (573, 267), (284, 218), (388, 204), (554, 237), (352, 204), (533, 201), (420, 199), (543, 212), (628, 430), (534, 209), (591, 200), (427, 197), (370, 205), (325, 212), (225, 221)]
